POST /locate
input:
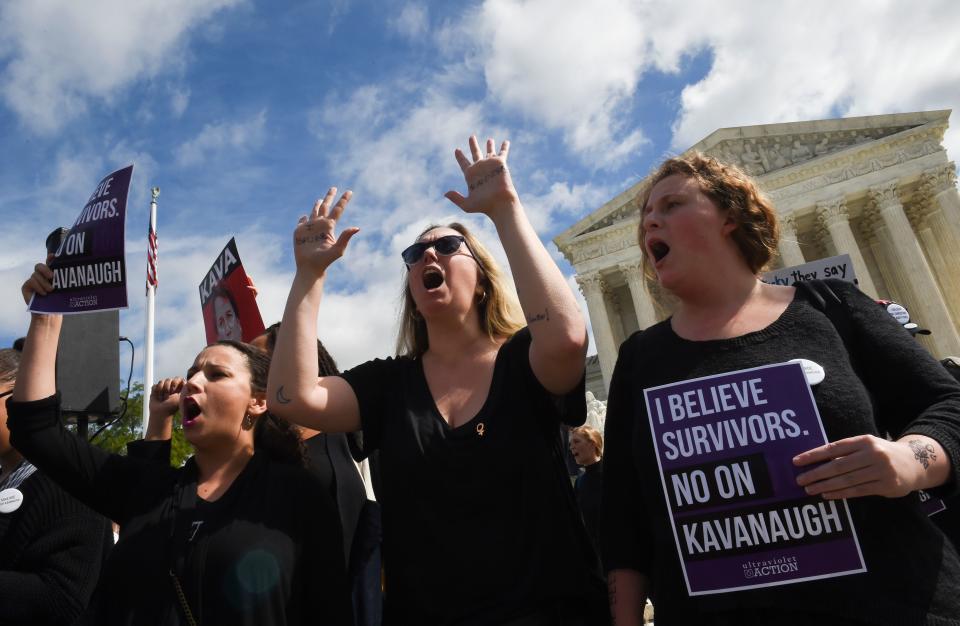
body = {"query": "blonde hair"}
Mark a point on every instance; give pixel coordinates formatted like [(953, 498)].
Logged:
[(736, 194), (499, 310), (590, 434)]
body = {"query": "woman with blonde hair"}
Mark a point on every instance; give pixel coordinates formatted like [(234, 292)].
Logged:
[(706, 232), (477, 510)]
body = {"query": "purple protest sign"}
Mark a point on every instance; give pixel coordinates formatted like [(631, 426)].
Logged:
[(931, 505), (89, 269), (725, 446)]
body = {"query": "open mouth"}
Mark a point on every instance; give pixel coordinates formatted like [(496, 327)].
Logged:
[(432, 278), (191, 411), (658, 249)]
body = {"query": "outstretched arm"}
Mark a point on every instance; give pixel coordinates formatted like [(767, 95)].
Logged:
[(36, 377), (105, 482), (293, 390), (557, 327)]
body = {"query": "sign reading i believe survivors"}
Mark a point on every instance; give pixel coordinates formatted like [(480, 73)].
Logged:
[(725, 446), (89, 270)]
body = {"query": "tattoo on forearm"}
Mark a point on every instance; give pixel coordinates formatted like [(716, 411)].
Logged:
[(612, 598), (539, 317), (923, 452), (282, 399), (486, 177)]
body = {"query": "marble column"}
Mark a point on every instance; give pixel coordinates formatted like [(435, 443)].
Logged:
[(835, 218), (940, 240), (593, 289), (642, 300), (925, 297), (941, 183), (790, 252)]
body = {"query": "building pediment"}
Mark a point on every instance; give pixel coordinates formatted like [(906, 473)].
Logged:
[(792, 156)]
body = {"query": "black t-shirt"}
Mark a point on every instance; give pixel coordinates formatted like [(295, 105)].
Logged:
[(479, 522), (913, 574), (267, 552)]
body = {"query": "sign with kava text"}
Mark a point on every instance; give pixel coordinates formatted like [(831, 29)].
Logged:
[(89, 269), (229, 307), (725, 446)]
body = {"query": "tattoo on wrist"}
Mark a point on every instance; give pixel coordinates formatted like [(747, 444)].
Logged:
[(486, 177), (282, 399), (922, 452), (539, 317)]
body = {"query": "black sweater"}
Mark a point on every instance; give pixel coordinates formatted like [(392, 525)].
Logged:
[(51, 552), (268, 551), (913, 575)]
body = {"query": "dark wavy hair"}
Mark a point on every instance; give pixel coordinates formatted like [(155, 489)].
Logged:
[(9, 364), (276, 438), (326, 366)]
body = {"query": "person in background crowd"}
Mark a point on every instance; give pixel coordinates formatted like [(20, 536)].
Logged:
[(242, 534), (586, 445), (475, 498), (706, 231), (51, 546)]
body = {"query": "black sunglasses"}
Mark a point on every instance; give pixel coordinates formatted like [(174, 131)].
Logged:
[(446, 245)]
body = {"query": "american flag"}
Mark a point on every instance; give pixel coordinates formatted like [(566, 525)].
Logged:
[(151, 258)]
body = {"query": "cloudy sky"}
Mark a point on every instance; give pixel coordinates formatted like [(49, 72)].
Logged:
[(245, 111)]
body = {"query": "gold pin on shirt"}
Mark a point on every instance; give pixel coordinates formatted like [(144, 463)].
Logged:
[(480, 429)]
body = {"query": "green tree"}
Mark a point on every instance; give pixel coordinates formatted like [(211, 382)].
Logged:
[(114, 435)]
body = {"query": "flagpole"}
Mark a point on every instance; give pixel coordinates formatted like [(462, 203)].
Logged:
[(151, 293)]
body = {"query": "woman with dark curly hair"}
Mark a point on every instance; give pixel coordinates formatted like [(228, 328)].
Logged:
[(706, 231), (242, 534)]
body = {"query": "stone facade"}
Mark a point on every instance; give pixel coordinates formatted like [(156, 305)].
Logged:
[(879, 188)]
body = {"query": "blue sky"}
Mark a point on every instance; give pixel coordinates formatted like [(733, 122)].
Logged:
[(244, 111)]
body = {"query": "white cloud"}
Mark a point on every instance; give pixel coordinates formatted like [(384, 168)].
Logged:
[(775, 62), (567, 65), (223, 137), (413, 22), (563, 203), (60, 54), (179, 100)]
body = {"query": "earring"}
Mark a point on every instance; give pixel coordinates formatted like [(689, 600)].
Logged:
[(483, 297), (247, 422)]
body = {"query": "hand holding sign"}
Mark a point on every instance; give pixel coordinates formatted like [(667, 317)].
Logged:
[(315, 244), (871, 466), (40, 282)]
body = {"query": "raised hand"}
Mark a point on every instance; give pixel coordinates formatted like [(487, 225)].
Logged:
[(165, 397), (315, 244), (490, 188)]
